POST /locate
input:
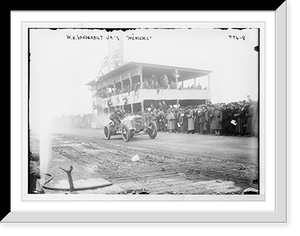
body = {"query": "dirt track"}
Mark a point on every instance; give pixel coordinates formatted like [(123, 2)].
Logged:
[(181, 163)]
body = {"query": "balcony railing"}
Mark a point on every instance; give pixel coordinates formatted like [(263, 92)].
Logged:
[(152, 94)]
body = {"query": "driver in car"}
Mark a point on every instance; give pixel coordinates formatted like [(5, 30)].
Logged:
[(117, 116)]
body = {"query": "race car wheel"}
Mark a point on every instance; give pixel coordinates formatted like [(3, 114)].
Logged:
[(125, 133), (107, 132), (152, 130)]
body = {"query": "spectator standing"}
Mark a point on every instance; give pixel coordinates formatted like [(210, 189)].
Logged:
[(196, 121), (184, 126), (226, 119), (232, 126), (191, 125), (255, 119), (166, 81), (241, 119), (207, 119), (160, 106), (161, 82), (152, 108), (157, 87), (252, 119), (246, 111), (159, 119), (177, 117), (216, 124), (201, 119), (165, 120), (173, 85), (171, 120), (164, 106), (137, 87), (199, 86)]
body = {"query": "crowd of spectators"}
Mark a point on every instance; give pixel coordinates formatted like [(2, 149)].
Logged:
[(152, 82), (163, 82), (234, 119), (108, 92)]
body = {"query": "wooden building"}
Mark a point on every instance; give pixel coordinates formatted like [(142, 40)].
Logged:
[(134, 86)]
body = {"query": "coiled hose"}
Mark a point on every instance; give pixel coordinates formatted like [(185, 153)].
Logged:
[(68, 189)]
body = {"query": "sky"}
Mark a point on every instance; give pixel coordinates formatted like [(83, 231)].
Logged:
[(62, 61)]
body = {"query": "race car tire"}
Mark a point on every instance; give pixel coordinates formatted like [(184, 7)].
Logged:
[(152, 131), (107, 132), (125, 133)]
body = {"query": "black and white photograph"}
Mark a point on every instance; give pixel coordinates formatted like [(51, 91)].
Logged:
[(162, 111), (168, 117)]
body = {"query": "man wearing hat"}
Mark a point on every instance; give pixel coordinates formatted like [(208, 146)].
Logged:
[(177, 116), (190, 116), (183, 121), (208, 118), (226, 119), (170, 120), (232, 119), (217, 116), (159, 120), (241, 119), (202, 118)]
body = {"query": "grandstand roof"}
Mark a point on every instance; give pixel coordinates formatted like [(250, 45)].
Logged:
[(187, 73)]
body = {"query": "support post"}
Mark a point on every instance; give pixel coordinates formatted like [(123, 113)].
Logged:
[(131, 107), (130, 81), (142, 105), (114, 88), (208, 82), (121, 79), (141, 76)]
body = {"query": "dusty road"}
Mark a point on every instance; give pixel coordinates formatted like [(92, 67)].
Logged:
[(172, 163)]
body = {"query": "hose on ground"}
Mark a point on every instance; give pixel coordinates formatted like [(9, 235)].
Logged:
[(68, 189)]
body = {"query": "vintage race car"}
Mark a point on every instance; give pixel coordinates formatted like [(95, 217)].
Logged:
[(130, 126)]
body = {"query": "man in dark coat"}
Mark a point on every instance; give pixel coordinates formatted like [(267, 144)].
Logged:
[(184, 127), (241, 119), (255, 119), (164, 106), (216, 124), (232, 126), (208, 119), (177, 116), (201, 119), (191, 122), (249, 121), (158, 119), (165, 121), (226, 119), (197, 118)]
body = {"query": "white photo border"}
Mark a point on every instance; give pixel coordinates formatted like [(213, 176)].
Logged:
[(20, 210)]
